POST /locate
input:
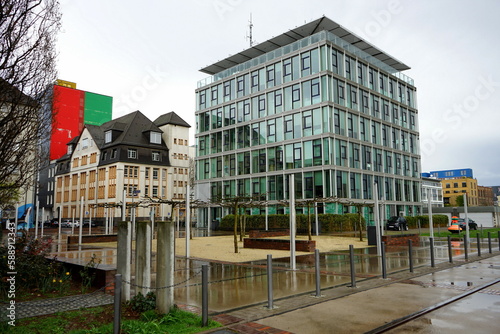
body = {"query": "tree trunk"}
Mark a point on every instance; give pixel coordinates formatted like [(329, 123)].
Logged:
[(309, 227), (241, 227), (244, 226), (360, 228), (236, 230)]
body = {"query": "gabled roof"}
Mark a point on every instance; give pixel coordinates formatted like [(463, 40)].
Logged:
[(171, 118), (96, 133), (132, 127), (298, 33)]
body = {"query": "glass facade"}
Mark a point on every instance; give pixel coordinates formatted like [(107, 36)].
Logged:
[(336, 119)]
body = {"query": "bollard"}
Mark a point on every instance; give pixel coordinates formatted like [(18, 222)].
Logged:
[(384, 270), (270, 281), (489, 243), (318, 277), (450, 251), (117, 304), (431, 240), (499, 240), (410, 255), (353, 269), (204, 295), (478, 244), (466, 248)]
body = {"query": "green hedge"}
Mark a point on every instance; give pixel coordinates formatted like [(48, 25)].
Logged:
[(329, 222), (441, 220)]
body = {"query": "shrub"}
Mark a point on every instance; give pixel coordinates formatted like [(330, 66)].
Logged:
[(329, 222), (34, 270), (140, 303), (441, 220)]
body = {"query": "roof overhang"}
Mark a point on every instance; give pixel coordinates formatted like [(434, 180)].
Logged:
[(298, 33)]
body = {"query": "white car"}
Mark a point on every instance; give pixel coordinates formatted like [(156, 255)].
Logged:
[(69, 223)]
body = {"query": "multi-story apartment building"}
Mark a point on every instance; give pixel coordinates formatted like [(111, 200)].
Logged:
[(130, 156), (452, 188), (485, 195), (70, 111), (432, 186), (317, 102)]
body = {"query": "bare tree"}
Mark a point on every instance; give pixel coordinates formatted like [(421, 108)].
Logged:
[(235, 203), (28, 30)]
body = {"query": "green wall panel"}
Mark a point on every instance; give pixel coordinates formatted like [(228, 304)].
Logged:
[(98, 108)]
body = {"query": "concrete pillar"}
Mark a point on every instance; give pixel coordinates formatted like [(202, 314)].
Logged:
[(123, 256), (143, 257), (165, 264)]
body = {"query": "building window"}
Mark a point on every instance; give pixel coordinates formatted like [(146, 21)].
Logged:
[(132, 153), (155, 156), (155, 173), (108, 136), (85, 143), (113, 153), (155, 137)]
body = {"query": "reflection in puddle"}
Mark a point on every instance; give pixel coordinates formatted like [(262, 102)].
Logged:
[(236, 285)]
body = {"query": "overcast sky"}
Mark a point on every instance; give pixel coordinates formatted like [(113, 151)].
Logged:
[(147, 56)]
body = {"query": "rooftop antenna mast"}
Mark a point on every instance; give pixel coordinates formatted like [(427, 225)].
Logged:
[(250, 36)]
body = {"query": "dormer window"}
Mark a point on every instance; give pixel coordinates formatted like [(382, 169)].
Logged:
[(155, 137), (108, 136), (70, 149)]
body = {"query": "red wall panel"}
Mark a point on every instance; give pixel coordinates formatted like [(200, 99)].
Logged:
[(67, 118)]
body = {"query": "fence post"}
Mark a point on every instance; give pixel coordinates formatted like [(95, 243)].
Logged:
[(432, 252), (489, 243), (318, 276), (478, 237), (466, 248), (384, 269), (117, 304), (450, 252), (204, 295), (270, 281), (410, 254), (353, 268)]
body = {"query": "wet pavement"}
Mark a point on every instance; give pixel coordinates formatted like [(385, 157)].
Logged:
[(238, 292), (376, 304)]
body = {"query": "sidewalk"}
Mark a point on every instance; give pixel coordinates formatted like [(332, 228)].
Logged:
[(299, 314)]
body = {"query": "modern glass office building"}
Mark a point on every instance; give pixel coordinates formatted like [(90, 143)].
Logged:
[(317, 102)]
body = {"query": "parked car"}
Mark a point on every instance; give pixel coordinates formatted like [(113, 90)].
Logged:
[(47, 223), (70, 223), (458, 225), (86, 223), (472, 224), (397, 223)]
